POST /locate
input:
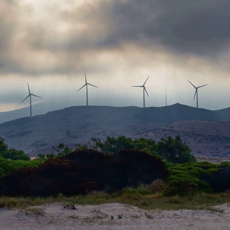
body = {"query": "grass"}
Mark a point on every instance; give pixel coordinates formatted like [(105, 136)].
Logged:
[(154, 201), (213, 210), (34, 211)]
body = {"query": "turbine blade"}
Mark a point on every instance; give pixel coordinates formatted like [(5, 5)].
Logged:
[(146, 91), (201, 86), (138, 86), (25, 98), (28, 87), (192, 84), (195, 95), (146, 80), (85, 78), (92, 85), (82, 86), (34, 95)]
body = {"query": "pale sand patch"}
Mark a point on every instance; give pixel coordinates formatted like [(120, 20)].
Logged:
[(112, 216)]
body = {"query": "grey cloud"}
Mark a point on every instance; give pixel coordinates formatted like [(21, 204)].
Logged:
[(197, 27), (183, 26), (8, 24), (95, 22)]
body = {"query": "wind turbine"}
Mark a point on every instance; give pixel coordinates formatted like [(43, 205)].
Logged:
[(86, 84), (30, 95), (144, 91), (196, 92)]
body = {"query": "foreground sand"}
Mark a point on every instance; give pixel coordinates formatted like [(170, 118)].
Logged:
[(112, 216)]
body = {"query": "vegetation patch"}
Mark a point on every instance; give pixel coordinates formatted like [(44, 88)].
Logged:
[(10, 153), (83, 171), (133, 170)]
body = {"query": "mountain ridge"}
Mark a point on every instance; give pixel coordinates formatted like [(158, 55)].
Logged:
[(78, 124), (221, 112)]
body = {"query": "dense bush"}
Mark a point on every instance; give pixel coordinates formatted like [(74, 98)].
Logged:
[(51, 178), (88, 157), (130, 168), (217, 176), (83, 171)]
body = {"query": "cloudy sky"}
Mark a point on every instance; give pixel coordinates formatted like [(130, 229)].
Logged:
[(118, 43)]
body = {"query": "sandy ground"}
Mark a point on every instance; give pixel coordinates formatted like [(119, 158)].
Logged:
[(112, 216)]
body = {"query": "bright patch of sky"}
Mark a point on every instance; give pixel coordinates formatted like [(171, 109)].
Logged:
[(118, 44)]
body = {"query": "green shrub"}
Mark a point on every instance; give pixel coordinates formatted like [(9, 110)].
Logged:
[(206, 177), (8, 166)]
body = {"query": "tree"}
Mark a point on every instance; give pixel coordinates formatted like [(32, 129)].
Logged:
[(112, 144), (3, 146), (11, 153), (169, 149), (174, 150), (14, 154), (147, 145), (61, 150)]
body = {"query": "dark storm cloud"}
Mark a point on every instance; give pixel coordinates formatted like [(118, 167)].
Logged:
[(185, 26), (62, 41)]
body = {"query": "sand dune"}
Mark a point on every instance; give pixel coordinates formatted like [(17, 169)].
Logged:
[(112, 216)]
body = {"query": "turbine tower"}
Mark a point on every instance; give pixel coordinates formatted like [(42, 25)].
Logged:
[(144, 91), (30, 95), (196, 92), (86, 85)]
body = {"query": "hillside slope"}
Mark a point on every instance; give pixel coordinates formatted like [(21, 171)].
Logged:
[(206, 132)]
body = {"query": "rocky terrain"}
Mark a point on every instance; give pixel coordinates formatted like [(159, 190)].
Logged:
[(206, 132)]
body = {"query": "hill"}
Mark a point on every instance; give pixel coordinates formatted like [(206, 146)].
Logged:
[(206, 132), (38, 109), (20, 113)]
